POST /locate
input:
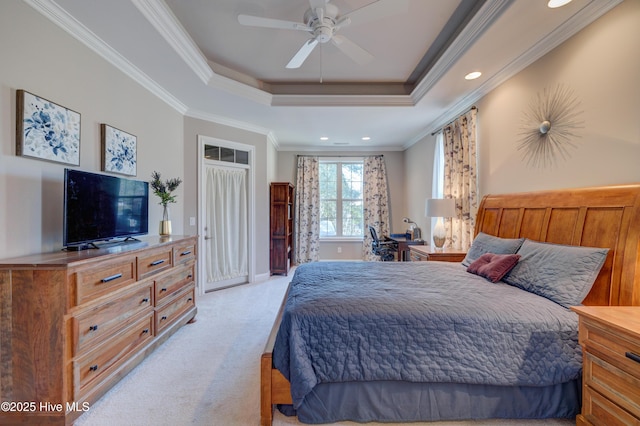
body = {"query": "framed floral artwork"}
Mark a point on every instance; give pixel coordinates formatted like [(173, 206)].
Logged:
[(46, 130), (118, 151)]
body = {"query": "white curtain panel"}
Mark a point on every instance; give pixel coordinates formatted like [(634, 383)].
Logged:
[(227, 223), (460, 179), (376, 202), (307, 220)]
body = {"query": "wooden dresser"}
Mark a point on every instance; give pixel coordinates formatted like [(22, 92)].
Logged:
[(421, 253), (610, 339), (75, 323)]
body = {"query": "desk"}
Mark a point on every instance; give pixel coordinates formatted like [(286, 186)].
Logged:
[(421, 253), (403, 247)]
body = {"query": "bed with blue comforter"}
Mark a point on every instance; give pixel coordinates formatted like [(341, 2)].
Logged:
[(411, 341)]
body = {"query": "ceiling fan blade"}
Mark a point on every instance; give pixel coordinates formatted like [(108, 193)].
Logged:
[(352, 50), (302, 54), (378, 10), (257, 21)]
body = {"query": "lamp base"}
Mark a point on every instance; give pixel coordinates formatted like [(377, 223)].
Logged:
[(439, 234)]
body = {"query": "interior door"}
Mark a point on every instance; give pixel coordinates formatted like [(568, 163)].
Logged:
[(226, 219)]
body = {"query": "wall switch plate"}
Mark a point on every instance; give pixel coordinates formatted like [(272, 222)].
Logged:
[(192, 221)]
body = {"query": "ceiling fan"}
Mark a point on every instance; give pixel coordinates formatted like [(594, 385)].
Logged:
[(322, 20)]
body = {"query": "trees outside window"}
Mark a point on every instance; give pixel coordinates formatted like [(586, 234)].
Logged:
[(341, 188)]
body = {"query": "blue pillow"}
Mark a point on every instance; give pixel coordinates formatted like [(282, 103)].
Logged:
[(485, 243), (564, 274)]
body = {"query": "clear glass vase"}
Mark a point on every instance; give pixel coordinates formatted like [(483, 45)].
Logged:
[(165, 223)]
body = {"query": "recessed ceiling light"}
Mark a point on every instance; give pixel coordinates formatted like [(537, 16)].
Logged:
[(557, 3), (366, 138), (472, 75), (324, 138)]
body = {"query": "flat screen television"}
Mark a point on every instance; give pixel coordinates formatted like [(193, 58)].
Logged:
[(102, 208)]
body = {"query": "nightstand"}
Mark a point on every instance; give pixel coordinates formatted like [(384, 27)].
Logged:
[(610, 339), (422, 253)]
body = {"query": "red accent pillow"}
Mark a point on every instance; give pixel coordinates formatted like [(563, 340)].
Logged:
[(493, 266)]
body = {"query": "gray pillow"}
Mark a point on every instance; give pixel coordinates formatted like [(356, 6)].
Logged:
[(485, 243), (564, 274)]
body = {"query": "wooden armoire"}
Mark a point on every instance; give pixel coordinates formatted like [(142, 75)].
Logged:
[(281, 227)]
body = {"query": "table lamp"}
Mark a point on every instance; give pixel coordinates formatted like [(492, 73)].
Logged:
[(440, 208)]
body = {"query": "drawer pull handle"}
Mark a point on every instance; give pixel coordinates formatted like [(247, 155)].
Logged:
[(111, 278), (163, 318), (163, 289), (189, 276), (190, 299), (145, 300), (184, 253), (157, 262), (633, 356), (93, 327), (145, 331), (93, 368)]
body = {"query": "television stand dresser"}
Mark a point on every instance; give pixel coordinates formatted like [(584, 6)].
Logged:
[(75, 323)]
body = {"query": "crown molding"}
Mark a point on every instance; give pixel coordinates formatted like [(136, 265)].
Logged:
[(218, 119), (342, 100), (577, 22), (165, 22), (340, 148), (52, 11), (489, 12)]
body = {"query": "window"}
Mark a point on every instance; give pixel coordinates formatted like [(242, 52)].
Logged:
[(341, 203)]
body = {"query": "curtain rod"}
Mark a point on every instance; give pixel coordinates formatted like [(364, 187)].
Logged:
[(448, 124)]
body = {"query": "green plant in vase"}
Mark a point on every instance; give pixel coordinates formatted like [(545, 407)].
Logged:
[(164, 190)]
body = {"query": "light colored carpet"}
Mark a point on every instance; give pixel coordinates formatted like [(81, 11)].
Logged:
[(208, 372)]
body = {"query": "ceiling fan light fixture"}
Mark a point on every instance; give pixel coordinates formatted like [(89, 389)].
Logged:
[(472, 75), (557, 3)]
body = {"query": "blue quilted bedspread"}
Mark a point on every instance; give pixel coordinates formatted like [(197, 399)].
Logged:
[(421, 322)]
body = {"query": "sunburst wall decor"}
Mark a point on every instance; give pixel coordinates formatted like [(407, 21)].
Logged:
[(549, 126)]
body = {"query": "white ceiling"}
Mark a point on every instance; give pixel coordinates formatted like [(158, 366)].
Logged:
[(196, 56)]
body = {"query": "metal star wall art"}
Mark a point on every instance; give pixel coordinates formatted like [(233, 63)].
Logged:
[(549, 126)]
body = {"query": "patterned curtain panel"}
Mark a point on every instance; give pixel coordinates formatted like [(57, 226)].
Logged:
[(307, 223), (460, 182), (376, 202)]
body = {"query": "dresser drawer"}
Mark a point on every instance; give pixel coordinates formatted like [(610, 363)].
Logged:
[(92, 367), (615, 384), (615, 349), (175, 307), (173, 282), (110, 276), (154, 262), (183, 253), (97, 323), (600, 411)]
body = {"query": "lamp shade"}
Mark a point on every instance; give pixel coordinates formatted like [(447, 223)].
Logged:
[(440, 207)]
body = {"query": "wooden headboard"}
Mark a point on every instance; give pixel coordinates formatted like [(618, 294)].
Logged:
[(607, 216)]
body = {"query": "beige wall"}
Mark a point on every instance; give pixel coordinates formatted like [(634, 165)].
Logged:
[(394, 162), (42, 59), (601, 64)]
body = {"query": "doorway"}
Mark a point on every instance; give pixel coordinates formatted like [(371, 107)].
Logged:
[(226, 255)]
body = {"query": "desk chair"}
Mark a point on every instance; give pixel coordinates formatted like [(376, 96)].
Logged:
[(383, 248)]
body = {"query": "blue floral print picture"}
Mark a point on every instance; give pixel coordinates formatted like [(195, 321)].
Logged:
[(119, 151), (46, 130)]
